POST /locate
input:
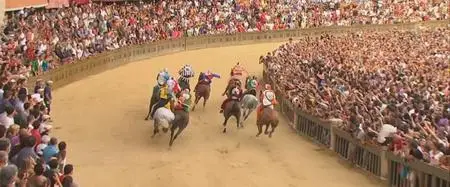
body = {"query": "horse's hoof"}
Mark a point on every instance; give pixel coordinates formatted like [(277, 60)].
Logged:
[(224, 131), (266, 133), (146, 119), (270, 135)]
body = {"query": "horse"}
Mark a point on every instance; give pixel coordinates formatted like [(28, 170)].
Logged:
[(232, 108), (202, 91), (268, 117), (166, 119), (153, 100), (249, 103), (239, 74), (172, 85), (180, 122), (231, 84), (163, 118)]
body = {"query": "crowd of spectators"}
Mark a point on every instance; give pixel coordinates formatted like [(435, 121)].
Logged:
[(358, 78), (29, 156), (37, 40), (388, 88)]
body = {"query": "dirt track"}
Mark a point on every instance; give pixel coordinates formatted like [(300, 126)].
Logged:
[(101, 118)]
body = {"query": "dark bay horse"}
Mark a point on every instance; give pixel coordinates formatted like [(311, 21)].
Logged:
[(232, 108), (231, 83), (180, 122), (268, 117), (202, 91), (153, 100)]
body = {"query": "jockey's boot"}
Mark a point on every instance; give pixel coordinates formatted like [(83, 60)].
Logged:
[(223, 105), (259, 111)]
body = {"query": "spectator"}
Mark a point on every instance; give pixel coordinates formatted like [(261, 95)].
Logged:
[(44, 143), (20, 143), (360, 81), (3, 159), (8, 176), (36, 132), (62, 155), (5, 145), (38, 179), (51, 150), (13, 132), (48, 95), (25, 153), (2, 131), (7, 117), (52, 173), (67, 178)]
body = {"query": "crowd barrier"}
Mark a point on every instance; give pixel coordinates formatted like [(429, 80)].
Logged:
[(370, 159)]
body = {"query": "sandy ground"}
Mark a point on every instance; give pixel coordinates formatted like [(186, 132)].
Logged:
[(102, 119)]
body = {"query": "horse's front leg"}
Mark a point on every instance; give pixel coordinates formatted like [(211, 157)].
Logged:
[(248, 113), (267, 129), (225, 124), (244, 111), (197, 98), (172, 130), (177, 134), (238, 121), (259, 129), (204, 103), (273, 130), (149, 109), (155, 131)]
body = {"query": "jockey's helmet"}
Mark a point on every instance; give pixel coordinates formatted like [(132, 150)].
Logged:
[(268, 87)]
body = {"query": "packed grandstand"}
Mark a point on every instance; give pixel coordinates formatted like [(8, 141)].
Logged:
[(389, 88)]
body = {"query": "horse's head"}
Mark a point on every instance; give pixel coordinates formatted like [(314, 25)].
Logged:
[(252, 92)]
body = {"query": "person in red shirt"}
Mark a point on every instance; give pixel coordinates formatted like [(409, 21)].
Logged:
[(36, 133)]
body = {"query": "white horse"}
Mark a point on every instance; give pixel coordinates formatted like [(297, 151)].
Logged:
[(248, 104), (162, 119)]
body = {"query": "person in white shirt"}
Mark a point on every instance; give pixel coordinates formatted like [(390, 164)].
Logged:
[(434, 155), (6, 118), (386, 133)]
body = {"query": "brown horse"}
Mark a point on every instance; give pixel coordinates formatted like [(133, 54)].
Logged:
[(201, 91), (268, 117), (180, 122), (231, 84), (232, 108)]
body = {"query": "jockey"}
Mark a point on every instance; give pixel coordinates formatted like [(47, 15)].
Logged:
[(206, 78), (251, 83), (184, 101), (267, 99), (164, 95), (234, 93), (162, 76), (237, 70), (173, 87), (186, 71)]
